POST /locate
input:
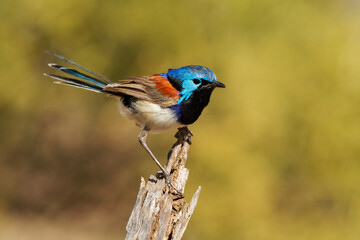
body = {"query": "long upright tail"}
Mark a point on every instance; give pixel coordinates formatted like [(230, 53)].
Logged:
[(76, 78)]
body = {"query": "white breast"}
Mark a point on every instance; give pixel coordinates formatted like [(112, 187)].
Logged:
[(149, 114)]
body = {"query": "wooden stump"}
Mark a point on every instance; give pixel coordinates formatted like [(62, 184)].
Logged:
[(160, 212)]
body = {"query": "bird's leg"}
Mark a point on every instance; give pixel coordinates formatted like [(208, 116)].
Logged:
[(142, 139)]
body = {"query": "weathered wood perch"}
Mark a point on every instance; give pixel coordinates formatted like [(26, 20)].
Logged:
[(160, 212)]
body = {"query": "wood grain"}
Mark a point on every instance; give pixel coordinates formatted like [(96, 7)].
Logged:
[(160, 212)]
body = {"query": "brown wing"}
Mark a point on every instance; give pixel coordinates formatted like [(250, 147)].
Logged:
[(154, 89)]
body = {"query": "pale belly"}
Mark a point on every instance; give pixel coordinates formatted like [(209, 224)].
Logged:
[(151, 115)]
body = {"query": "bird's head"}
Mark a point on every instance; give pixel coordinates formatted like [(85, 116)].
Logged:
[(192, 78)]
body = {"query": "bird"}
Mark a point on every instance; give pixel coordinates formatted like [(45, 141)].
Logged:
[(156, 103)]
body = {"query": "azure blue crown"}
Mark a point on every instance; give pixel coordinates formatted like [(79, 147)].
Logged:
[(192, 72)]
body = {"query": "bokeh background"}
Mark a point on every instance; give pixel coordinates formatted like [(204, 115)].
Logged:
[(276, 153)]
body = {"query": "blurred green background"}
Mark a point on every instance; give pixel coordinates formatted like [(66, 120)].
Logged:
[(276, 152)]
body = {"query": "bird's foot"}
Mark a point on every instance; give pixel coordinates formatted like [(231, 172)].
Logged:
[(185, 133), (169, 183)]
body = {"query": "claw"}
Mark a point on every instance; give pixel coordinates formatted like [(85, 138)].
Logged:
[(170, 184), (187, 134)]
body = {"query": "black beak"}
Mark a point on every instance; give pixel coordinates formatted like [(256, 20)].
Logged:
[(218, 84)]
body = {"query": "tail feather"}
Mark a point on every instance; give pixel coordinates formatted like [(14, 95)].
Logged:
[(74, 82), (81, 80), (78, 74), (79, 66)]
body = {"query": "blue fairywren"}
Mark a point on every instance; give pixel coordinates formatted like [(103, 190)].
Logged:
[(156, 103)]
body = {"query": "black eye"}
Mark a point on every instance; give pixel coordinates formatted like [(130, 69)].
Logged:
[(196, 81)]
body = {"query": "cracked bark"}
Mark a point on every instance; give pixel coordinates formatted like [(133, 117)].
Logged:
[(159, 211)]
